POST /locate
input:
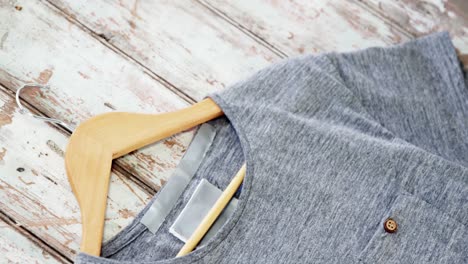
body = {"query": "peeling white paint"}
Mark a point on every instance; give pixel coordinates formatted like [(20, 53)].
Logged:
[(84, 75), (16, 248), (35, 189), (440, 4), (310, 26)]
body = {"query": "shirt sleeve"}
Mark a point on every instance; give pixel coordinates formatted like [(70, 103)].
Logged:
[(413, 92)]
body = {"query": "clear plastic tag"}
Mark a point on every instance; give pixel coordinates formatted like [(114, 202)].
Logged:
[(171, 191), (203, 198)]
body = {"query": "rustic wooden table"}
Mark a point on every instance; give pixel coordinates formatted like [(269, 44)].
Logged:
[(151, 56)]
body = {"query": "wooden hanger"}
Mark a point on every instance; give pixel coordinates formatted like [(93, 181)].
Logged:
[(99, 140)]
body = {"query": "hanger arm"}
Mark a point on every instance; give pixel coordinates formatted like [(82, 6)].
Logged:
[(99, 140), (124, 132)]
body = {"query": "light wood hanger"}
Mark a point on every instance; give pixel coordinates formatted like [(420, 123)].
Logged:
[(99, 140)]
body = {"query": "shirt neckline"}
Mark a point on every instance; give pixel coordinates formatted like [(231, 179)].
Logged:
[(218, 239)]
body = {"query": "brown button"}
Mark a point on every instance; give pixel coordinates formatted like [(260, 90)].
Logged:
[(390, 225)]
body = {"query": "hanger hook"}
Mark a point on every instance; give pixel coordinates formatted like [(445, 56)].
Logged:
[(23, 110)]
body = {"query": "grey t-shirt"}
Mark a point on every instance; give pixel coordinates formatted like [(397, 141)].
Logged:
[(334, 145)]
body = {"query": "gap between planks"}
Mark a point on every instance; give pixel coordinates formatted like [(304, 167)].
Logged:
[(33, 238), (243, 29), (278, 51), (366, 6), (102, 39), (463, 58), (385, 19), (236, 24), (116, 168)]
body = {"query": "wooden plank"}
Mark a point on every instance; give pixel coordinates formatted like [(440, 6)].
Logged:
[(86, 78), (423, 17), (297, 27), (181, 41), (16, 247), (34, 189)]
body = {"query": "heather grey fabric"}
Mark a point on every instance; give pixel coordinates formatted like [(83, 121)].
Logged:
[(334, 145)]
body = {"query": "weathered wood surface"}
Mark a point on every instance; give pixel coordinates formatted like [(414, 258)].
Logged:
[(15, 247), (34, 189), (297, 27), (422, 17), (333, 25), (185, 43), (155, 56), (86, 78)]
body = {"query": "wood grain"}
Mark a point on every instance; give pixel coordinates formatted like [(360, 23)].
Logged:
[(34, 190), (298, 27), (86, 78), (181, 41), (20, 247), (16, 248), (332, 25), (423, 17)]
